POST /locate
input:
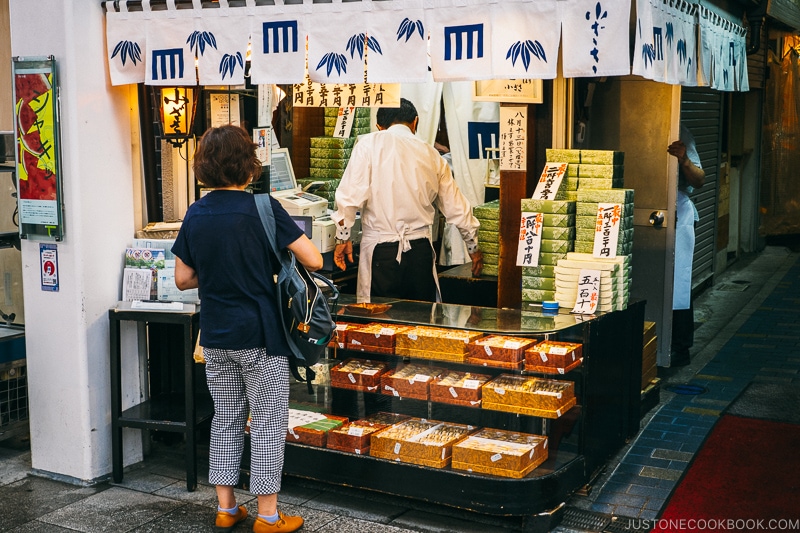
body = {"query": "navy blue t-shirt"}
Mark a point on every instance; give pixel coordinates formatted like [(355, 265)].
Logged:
[(223, 240)]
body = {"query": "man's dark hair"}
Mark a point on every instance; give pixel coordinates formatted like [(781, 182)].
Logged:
[(405, 114)]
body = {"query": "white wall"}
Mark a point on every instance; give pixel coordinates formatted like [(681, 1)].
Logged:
[(67, 331)]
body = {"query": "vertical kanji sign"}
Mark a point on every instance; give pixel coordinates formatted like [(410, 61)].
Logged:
[(513, 137), (530, 239), (606, 231), (35, 96), (550, 181), (588, 292)]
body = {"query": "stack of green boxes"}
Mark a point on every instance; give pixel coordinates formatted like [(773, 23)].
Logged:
[(488, 215), (570, 180), (586, 220), (329, 157), (360, 126), (558, 237), (329, 154)]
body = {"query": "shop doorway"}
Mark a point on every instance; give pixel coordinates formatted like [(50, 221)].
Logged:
[(641, 118)]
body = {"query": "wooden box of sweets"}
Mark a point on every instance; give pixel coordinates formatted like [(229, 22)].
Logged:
[(459, 388), (553, 357), (359, 374), (499, 351), (527, 395), (440, 344), (339, 339), (315, 433), (374, 338), (419, 441), (410, 381), (500, 453), (355, 436)]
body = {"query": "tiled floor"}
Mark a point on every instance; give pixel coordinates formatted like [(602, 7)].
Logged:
[(745, 336)]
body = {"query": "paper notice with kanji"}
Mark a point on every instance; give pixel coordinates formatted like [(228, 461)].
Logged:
[(530, 239)]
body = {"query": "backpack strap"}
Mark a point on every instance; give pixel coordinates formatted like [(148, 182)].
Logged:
[(268, 221)]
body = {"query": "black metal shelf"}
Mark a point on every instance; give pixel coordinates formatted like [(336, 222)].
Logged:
[(166, 412), (176, 406)]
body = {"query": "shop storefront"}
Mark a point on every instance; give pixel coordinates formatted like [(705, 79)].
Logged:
[(112, 76)]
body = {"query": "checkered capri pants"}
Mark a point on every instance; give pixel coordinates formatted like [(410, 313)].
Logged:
[(238, 379)]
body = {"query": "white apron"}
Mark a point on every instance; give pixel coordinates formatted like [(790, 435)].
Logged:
[(684, 251), (370, 239)]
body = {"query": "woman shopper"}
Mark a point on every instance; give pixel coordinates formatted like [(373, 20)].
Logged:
[(222, 249)]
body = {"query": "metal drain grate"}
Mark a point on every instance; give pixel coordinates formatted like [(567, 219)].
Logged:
[(587, 520), (734, 286)]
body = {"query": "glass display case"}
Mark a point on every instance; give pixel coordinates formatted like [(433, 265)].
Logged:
[(456, 405)]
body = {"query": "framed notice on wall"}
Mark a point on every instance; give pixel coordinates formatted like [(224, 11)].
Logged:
[(513, 91), (37, 148)]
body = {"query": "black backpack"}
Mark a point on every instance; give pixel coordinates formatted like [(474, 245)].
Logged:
[(304, 309)]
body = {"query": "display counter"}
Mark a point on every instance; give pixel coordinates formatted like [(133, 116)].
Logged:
[(586, 408)]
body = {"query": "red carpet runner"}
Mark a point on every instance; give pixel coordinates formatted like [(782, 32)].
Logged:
[(746, 477)]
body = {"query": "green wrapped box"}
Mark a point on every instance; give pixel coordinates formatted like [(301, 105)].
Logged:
[(489, 225), (599, 183), (538, 282), (537, 295), (567, 233), (588, 235), (555, 207), (572, 194), (326, 173), (572, 186), (590, 209), (488, 236), (587, 247), (556, 246), (332, 142), (491, 259), (490, 247), (545, 271), (489, 270), (360, 112), (589, 221), (556, 155), (602, 157), (360, 123), (547, 258), (331, 153), (609, 196), (595, 171), (487, 211), (315, 162), (558, 221)]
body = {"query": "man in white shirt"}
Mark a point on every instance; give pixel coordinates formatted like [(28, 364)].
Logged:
[(397, 181)]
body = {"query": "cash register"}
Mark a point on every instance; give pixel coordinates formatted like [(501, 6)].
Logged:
[(283, 187)]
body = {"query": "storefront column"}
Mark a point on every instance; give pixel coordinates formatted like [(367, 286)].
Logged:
[(67, 331)]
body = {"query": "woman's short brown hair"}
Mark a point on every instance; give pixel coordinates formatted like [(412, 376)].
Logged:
[(225, 157)]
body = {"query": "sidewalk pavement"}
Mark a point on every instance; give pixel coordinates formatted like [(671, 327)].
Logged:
[(746, 333)]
